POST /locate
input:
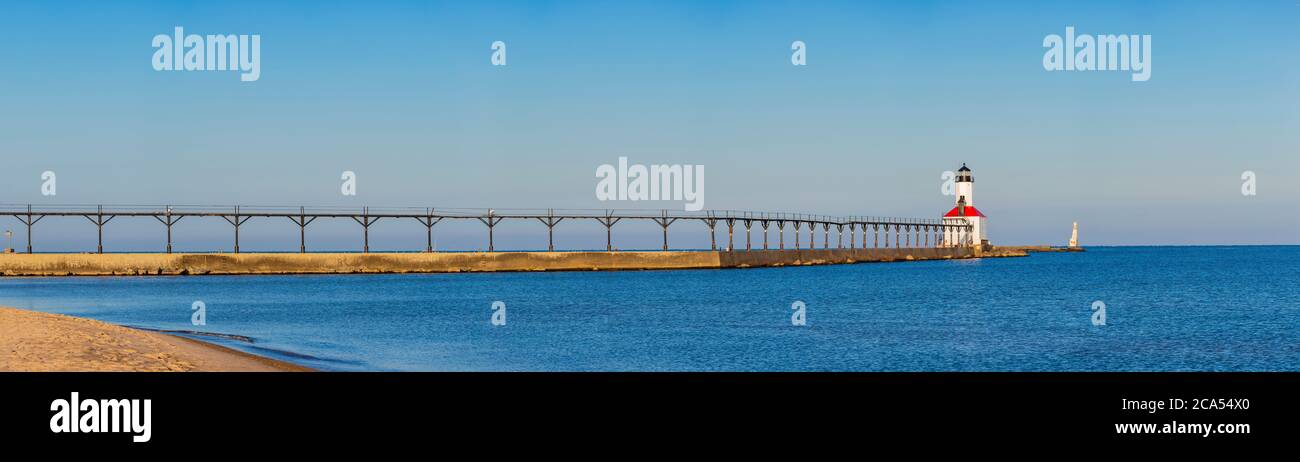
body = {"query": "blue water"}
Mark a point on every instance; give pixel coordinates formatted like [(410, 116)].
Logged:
[(1167, 309)]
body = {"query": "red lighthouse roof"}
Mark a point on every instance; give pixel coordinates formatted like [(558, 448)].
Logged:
[(971, 211)]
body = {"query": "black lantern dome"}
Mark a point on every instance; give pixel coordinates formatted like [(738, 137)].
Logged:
[(963, 174)]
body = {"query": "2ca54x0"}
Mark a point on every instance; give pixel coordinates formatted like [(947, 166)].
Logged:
[(1211, 404)]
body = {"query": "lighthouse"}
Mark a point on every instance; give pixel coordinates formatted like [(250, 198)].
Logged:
[(965, 213)]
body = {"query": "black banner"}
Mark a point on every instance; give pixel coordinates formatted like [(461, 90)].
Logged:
[(321, 411)]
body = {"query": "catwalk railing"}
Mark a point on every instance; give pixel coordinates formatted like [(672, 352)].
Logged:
[(927, 232)]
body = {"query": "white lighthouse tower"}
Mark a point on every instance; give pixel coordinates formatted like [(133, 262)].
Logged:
[(965, 213)]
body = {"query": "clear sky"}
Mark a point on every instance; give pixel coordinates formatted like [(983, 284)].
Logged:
[(893, 94)]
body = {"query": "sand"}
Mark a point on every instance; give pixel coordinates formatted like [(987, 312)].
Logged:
[(42, 342)]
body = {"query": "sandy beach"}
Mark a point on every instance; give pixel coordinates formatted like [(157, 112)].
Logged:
[(43, 342)]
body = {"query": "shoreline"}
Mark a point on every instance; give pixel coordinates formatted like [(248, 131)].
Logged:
[(33, 341)]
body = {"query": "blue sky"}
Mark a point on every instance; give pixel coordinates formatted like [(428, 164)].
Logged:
[(894, 94)]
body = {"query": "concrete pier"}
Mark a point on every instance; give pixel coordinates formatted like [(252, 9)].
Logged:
[(446, 262)]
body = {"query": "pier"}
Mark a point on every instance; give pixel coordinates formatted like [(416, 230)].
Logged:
[(159, 264)]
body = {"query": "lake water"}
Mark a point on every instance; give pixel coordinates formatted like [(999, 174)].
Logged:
[(1167, 309)]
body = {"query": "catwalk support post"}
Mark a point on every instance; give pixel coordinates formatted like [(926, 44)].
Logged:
[(302, 221), (99, 221)]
